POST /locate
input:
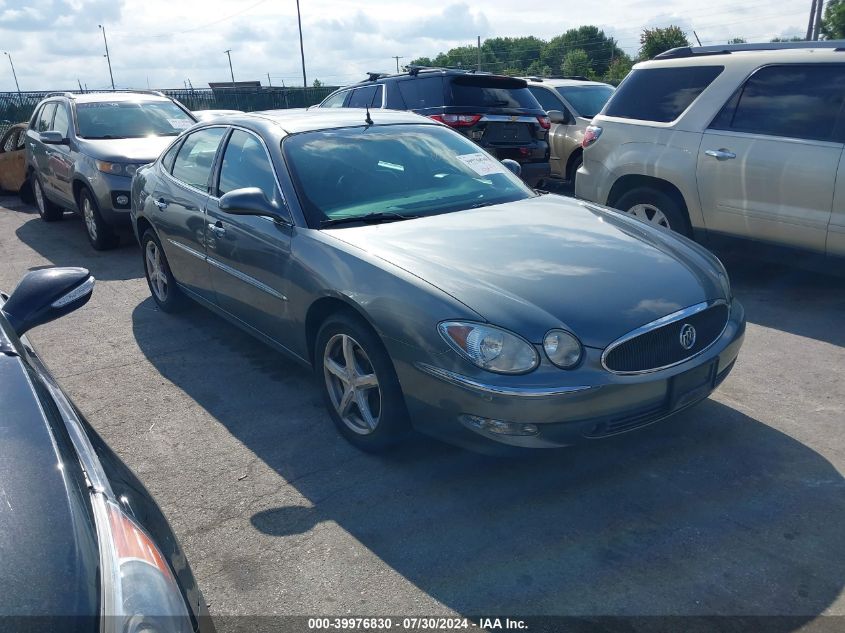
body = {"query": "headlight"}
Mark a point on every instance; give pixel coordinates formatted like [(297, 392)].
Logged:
[(562, 348), (131, 169), (109, 168), (490, 347)]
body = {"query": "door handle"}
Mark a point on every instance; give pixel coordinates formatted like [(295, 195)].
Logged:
[(161, 203), (720, 154), (217, 228)]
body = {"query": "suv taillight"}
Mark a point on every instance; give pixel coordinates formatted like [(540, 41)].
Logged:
[(544, 121), (457, 120), (591, 135)]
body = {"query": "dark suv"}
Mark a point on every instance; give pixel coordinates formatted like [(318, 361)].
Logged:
[(497, 112), (83, 149)]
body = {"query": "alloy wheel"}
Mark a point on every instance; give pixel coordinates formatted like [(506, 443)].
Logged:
[(39, 197), (651, 214), (352, 384), (90, 220), (155, 270)]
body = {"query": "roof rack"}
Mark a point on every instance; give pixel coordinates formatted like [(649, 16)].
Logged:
[(374, 76), (76, 93), (726, 49), (414, 69)]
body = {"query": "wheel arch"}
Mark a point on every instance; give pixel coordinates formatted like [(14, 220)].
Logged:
[(577, 153), (627, 183), (323, 308)]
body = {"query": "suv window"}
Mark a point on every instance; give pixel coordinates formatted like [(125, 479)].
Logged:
[(45, 118), (660, 94), (422, 93), (336, 100), (196, 157), (362, 97), (394, 97), (490, 92), (245, 164), (61, 122), (796, 101), (547, 99), (587, 100)]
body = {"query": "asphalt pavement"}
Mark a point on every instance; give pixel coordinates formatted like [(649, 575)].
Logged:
[(734, 507)]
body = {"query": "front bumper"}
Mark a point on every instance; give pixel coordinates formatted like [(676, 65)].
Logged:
[(593, 404), (107, 189)]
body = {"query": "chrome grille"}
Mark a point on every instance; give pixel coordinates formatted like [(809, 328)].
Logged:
[(659, 345)]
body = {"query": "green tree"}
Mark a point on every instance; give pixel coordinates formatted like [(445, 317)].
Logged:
[(576, 62), (794, 38), (317, 83), (618, 70), (514, 54), (657, 40), (833, 23), (600, 48), (737, 40)]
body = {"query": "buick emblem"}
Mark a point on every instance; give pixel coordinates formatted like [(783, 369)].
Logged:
[(687, 336)]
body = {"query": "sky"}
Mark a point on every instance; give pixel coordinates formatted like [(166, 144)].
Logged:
[(163, 43)]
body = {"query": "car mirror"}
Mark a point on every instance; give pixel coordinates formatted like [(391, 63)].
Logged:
[(45, 295), (52, 137), (512, 166), (252, 201), (556, 116)]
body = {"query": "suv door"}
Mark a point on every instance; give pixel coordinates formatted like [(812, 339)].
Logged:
[(767, 165), (248, 255), (60, 161), (39, 156), (180, 197), (561, 140)]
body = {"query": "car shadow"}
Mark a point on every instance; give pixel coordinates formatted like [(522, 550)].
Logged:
[(789, 298), (712, 512), (65, 243)]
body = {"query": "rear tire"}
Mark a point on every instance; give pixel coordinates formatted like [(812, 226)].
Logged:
[(49, 211), (656, 208), (359, 385), (573, 168), (163, 288), (100, 234)]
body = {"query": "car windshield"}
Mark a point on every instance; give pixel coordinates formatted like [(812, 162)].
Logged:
[(130, 119), (587, 100), (392, 172)]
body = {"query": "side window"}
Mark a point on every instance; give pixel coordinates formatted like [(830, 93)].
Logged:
[(362, 97), (660, 94), (61, 122), (394, 97), (422, 93), (548, 100), (377, 97), (167, 159), (245, 164), (336, 100), (796, 101), (45, 118), (196, 157)]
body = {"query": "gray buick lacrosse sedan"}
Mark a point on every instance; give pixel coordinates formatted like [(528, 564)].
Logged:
[(426, 286)]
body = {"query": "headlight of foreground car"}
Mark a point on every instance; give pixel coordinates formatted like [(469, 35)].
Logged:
[(562, 348), (117, 169), (490, 347)]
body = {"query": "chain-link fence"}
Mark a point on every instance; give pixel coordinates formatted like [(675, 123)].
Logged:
[(16, 107)]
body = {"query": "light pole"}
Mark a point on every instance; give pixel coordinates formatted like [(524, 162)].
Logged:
[(228, 52), (108, 58), (15, 75), (301, 49)]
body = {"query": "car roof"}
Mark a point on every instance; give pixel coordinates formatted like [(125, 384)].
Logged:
[(749, 58), (302, 120), (112, 97), (556, 83)]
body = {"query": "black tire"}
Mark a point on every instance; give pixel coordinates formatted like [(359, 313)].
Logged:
[(171, 299), (100, 234), (49, 211), (573, 168), (392, 423), (674, 213)]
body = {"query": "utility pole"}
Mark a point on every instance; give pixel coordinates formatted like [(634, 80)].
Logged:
[(397, 58), (80, 84), (228, 52), (811, 21), (479, 54), (818, 25), (301, 48), (15, 75), (108, 58), (269, 83), (696, 38)]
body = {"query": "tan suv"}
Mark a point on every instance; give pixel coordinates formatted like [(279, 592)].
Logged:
[(571, 103), (742, 141)]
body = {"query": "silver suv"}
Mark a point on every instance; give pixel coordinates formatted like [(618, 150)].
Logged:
[(729, 142), (83, 149)]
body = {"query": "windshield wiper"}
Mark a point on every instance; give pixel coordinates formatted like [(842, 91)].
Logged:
[(368, 218)]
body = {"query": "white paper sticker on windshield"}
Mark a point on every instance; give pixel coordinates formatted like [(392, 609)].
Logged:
[(394, 166), (180, 124), (482, 164)]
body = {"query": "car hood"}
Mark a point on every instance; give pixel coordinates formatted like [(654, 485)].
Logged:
[(125, 150), (547, 262)]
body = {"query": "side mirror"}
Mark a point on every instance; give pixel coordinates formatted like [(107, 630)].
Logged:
[(45, 295), (251, 201), (512, 166), (52, 137), (556, 116)]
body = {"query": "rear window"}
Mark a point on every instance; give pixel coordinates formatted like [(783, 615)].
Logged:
[(422, 93), (490, 92), (587, 100), (660, 94)]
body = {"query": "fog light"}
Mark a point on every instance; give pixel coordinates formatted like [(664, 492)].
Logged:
[(499, 427), (122, 200)]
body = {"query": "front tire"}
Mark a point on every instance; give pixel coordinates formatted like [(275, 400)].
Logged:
[(160, 280), (49, 211), (656, 208), (100, 234), (359, 384)]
